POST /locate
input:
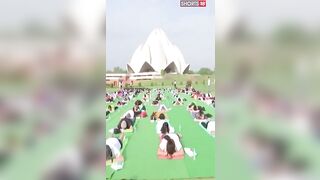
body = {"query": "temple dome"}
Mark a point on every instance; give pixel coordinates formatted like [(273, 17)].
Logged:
[(157, 54)]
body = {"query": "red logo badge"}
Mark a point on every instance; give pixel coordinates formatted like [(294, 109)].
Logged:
[(202, 3)]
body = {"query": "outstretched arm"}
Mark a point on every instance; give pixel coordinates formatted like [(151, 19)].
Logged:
[(122, 136)]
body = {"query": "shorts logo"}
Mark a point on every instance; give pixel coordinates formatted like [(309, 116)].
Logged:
[(193, 3)]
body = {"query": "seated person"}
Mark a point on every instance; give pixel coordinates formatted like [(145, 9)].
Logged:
[(200, 116), (170, 147), (143, 109), (191, 107), (137, 111), (210, 126), (194, 111), (154, 116), (113, 150)]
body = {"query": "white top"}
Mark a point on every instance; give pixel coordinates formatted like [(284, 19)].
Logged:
[(208, 101), (129, 112), (211, 126), (175, 137), (162, 106), (115, 146), (160, 124)]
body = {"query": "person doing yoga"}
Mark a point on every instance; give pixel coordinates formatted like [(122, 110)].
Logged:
[(163, 126), (113, 150), (170, 147)]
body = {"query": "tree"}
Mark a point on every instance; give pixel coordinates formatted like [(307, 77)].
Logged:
[(290, 34), (205, 71), (190, 71), (189, 83), (118, 70), (163, 72)]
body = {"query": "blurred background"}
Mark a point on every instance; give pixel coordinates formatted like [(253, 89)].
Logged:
[(267, 71), (52, 78), (53, 81)]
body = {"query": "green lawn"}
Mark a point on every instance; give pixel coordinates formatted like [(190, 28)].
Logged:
[(140, 152)]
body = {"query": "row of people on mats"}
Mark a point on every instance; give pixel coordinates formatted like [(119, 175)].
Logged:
[(198, 114), (207, 98), (169, 147), (123, 97), (114, 145), (127, 121)]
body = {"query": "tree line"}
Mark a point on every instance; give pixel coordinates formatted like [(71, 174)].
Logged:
[(202, 71)]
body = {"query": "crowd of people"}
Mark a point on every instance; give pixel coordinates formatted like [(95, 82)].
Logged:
[(170, 145)]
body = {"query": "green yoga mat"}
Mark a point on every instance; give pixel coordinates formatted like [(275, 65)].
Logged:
[(140, 153)]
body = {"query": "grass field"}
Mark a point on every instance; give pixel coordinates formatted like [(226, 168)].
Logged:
[(140, 151)]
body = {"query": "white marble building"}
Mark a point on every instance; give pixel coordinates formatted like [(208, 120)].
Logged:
[(157, 54)]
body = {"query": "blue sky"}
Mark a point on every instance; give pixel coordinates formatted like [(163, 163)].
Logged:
[(129, 22)]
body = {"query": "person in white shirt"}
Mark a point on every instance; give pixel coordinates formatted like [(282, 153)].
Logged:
[(210, 126), (113, 149), (170, 144), (129, 115), (163, 127), (163, 108)]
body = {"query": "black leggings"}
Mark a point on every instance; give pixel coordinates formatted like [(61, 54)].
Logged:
[(120, 143), (205, 124)]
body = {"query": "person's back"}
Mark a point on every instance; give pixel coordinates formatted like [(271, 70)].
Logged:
[(162, 108), (160, 124), (113, 146), (129, 114), (176, 140), (211, 128)]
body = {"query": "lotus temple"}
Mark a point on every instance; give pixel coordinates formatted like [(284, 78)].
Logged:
[(157, 54)]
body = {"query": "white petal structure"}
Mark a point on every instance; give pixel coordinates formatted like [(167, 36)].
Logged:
[(157, 54)]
